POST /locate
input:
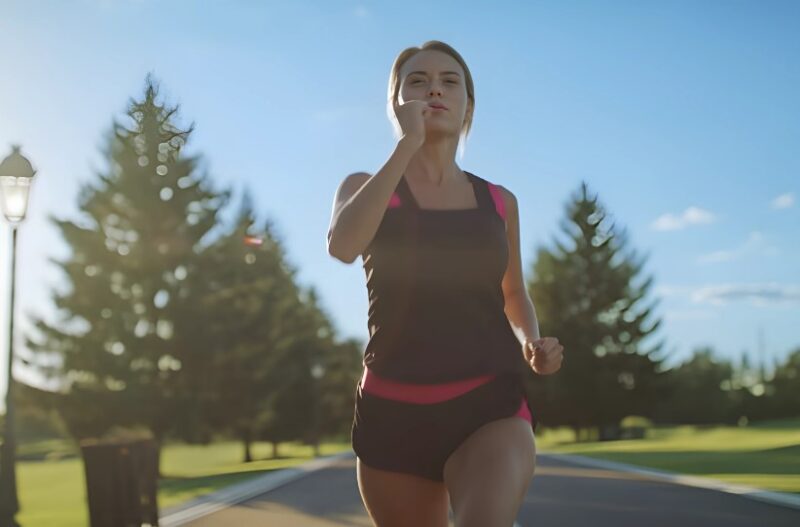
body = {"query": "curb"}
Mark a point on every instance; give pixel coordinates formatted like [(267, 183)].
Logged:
[(777, 498), (231, 495)]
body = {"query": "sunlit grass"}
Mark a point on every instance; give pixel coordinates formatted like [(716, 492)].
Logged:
[(54, 492), (764, 454)]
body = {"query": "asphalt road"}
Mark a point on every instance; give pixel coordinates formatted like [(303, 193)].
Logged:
[(561, 494)]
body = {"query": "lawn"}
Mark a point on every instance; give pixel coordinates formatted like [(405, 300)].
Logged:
[(53, 492), (765, 454)]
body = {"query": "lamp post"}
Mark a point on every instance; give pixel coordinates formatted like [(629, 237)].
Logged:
[(16, 174)]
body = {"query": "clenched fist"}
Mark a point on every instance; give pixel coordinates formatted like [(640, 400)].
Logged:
[(544, 355)]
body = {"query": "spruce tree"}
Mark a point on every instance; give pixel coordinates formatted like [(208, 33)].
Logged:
[(265, 335), (126, 327), (247, 315), (586, 293), (784, 400)]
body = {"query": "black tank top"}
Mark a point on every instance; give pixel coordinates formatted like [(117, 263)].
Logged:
[(436, 306)]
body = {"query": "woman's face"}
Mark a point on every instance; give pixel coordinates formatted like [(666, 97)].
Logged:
[(434, 76)]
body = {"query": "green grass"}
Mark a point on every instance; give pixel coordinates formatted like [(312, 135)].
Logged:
[(52, 491), (765, 455)]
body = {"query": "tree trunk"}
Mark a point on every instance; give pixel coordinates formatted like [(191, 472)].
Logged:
[(248, 457), (158, 438)]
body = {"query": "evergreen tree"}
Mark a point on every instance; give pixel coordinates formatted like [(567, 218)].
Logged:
[(126, 327), (585, 294), (343, 369), (785, 388), (310, 407), (247, 323), (698, 396)]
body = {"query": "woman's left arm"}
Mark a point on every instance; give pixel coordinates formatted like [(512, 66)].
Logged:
[(518, 304), (545, 355)]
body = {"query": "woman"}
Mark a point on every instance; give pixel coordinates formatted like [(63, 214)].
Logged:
[(441, 416)]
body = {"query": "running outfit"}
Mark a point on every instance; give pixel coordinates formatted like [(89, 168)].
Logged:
[(442, 359)]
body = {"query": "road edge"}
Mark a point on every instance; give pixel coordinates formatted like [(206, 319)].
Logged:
[(777, 498), (206, 504)]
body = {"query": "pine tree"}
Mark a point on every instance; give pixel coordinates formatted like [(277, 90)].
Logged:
[(309, 407), (126, 328), (585, 294), (264, 338), (785, 388), (700, 378), (248, 316)]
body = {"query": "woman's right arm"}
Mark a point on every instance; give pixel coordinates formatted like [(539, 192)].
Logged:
[(361, 201)]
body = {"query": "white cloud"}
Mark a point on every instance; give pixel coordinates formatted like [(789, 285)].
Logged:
[(753, 244), (691, 216), (760, 294), (784, 201), (770, 293)]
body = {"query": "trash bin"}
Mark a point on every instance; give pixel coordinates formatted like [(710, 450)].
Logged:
[(121, 482)]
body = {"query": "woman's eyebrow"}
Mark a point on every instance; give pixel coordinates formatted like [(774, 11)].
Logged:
[(443, 73)]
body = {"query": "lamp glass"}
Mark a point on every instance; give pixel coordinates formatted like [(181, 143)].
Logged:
[(14, 193)]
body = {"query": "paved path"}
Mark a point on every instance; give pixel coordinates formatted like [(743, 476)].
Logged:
[(562, 494)]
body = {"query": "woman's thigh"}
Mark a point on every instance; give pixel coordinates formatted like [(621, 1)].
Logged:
[(488, 475), (397, 499)]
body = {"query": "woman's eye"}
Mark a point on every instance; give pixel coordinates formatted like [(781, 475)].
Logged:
[(417, 81)]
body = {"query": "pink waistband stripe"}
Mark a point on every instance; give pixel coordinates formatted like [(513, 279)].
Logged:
[(419, 393)]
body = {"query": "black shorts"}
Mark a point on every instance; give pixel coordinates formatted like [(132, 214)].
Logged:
[(418, 438)]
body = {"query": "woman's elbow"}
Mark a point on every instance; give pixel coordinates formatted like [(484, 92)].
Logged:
[(335, 251)]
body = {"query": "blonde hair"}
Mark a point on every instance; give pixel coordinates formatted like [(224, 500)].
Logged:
[(394, 86)]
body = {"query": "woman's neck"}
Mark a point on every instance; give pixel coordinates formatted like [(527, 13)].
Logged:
[(434, 163)]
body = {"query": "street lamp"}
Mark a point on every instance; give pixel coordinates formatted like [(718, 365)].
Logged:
[(16, 174)]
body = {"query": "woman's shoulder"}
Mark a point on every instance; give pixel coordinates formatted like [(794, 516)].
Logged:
[(356, 178), (350, 184), (504, 199)]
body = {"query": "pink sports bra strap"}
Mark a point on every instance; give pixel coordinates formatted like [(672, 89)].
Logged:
[(499, 204), (497, 197)]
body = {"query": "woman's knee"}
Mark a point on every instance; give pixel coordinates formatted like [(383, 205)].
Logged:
[(494, 498)]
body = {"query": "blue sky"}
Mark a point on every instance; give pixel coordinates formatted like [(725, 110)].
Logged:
[(682, 115)]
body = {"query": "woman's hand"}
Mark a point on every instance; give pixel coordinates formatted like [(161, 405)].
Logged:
[(412, 116), (544, 355)]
